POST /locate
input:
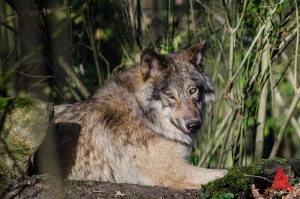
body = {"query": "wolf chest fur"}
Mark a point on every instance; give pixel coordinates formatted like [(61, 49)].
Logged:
[(138, 127)]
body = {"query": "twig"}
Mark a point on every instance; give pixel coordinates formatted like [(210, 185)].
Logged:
[(283, 128), (16, 65), (193, 20), (244, 60), (91, 36), (213, 142), (254, 176), (297, 46), (34, 76), (232, 32), (226, 136), (219, 18), (106, 62), (281, 104), (84, 91), (294, 122), (285, 42), (136, 41), (262, 108)]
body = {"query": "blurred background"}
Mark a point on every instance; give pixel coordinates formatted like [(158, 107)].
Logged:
[(62, 51)]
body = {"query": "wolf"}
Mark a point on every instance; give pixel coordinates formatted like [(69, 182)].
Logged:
[(138, 128)]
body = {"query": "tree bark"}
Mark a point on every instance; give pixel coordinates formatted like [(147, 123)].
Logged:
[(34, 71)]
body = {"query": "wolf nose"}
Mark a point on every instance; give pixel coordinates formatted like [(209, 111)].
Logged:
[(193, 126)]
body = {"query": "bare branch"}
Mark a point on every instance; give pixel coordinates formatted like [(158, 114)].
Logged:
[(283, 128), (84, 91)]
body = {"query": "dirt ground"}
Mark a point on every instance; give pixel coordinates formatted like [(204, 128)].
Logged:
[(44, 186)]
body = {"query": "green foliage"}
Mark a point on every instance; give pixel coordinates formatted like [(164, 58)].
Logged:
[(226, 196)]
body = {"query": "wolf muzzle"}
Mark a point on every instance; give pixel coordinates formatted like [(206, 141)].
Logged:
[(193, 126)]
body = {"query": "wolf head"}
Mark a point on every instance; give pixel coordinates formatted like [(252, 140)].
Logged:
[(175, 90)]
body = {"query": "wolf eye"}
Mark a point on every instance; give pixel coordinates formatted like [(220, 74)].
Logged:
[(169, 95), (193, 90)]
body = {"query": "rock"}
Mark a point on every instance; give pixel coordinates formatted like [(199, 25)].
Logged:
[(23, 124), (261, 173), (290, 166)]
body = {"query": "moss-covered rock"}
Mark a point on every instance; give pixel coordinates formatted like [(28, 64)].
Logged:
[(23, 124), (238, 180)]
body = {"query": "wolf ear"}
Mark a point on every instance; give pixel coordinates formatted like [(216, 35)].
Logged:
[(152, 63), (196, 54)]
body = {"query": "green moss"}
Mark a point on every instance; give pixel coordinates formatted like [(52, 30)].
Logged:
[(17, 102), (3, 105), (3, 102), (238, 180), (268, 161), (8, 104)]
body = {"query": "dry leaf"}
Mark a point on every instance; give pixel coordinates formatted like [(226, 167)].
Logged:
[(119, 194), (255, 193), (288, 196)]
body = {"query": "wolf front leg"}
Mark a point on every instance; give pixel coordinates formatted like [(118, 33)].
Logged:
[(165, 165), (184, 176)]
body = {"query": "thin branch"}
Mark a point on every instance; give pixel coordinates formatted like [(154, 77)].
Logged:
[(136, 41), (16, 65), (232, 32), (283, 128), (84, 91), (282, 104), (285, 42), (107, 64), (193, 20), (91, 36), (213, 142), (262, 108), (12, 29), (245, 58), (260, 177), (297, 46), (219, 18), (242, 16), (34, 76), (226, 136)]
